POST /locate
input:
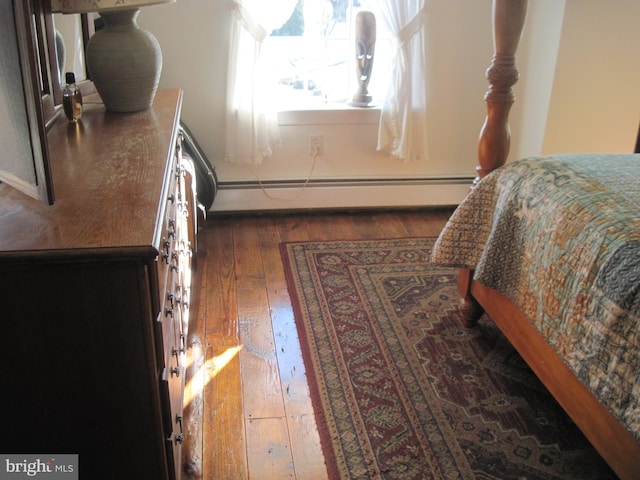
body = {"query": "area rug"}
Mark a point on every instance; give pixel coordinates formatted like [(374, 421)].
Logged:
[(401, 390)]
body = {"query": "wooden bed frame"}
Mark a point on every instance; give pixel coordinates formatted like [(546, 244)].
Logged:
[(613, 441)]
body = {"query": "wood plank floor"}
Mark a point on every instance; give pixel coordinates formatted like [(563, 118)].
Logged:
[(248, 411)]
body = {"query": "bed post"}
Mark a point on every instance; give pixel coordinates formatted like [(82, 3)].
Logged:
[(502, 74), (495, 136)]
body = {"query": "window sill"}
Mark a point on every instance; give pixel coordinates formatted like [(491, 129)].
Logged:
[(331, 114)]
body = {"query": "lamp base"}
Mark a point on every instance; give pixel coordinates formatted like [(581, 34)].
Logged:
[(124, 62)]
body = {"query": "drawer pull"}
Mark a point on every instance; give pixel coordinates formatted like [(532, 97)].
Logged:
[(183, 348), (166, 248), (169, 312), (175, 371), (178, 438)]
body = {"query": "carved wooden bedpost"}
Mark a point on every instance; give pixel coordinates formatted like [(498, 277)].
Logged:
[(495, 136)]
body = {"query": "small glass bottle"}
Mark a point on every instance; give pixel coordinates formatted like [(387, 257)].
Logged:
[(72, 98)]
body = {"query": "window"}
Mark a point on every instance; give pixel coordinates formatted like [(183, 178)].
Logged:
[(311, 58), (256, 71)]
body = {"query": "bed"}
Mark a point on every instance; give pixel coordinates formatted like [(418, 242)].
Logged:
[(549, 249)]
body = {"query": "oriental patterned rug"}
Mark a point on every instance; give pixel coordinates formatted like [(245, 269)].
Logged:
[(401, 390)]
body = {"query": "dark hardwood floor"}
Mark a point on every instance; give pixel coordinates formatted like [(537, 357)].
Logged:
[(248, 411)]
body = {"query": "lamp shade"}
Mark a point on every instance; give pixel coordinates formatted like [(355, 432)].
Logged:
[(85, 6)]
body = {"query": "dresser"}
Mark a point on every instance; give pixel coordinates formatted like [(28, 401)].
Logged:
[(95, 296)]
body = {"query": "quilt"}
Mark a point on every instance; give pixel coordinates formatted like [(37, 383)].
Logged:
[(560, 237)]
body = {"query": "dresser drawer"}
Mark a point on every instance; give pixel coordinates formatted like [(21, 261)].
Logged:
[(173, 375), (174, 279)]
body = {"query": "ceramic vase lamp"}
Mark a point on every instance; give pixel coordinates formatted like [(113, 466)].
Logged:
[(124, 61)]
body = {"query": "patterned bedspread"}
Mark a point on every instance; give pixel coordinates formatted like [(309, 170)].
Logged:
[(560, 237)]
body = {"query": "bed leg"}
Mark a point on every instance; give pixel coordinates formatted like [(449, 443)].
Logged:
[(470, 310)]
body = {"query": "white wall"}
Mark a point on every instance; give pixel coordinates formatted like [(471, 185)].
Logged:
[(536, 60), (558, 106), (193, 35), (595, 106)]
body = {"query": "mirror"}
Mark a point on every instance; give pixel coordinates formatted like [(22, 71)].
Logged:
[(31, 87), (69, 41), (68, 36), (25, 100)]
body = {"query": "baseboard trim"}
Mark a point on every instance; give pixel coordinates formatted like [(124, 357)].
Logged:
[(265, 196)]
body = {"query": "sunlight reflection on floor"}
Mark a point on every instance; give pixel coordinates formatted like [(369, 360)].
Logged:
[(207, 371)]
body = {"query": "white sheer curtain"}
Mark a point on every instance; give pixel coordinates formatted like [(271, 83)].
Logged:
[(251, 127), (402, 132)]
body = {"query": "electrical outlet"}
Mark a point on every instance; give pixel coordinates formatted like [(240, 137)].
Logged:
[(315, 144)]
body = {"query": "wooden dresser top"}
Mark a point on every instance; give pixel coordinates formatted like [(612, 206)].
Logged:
[(109, 183)]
